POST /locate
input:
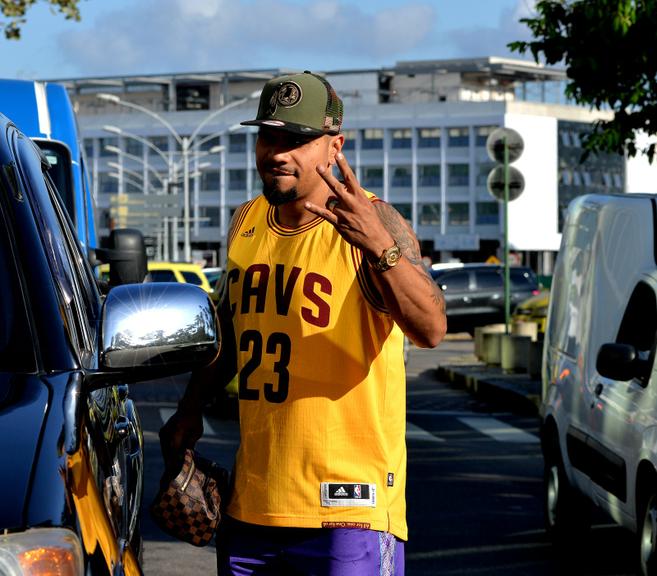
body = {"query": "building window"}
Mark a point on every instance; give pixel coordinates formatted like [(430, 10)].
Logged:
[(89, 147), (103, 143), (488, 213), (428, 138), (132, 188), (401, 138), (372, 177), (458, 174), (483, 170), (209, 143), (134, 147), (105, 218), (107, 184), (429, 175), (405, 210), (210, 180), (237, 143), (402, 176), (349, 140), (209, 216), (192, 97), (237, 179), (372, 139), (458, 137), (482, 133), (429, 214), (458, 214), (160, 142)]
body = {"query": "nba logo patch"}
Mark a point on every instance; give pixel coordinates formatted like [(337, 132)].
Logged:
[(357, 491)]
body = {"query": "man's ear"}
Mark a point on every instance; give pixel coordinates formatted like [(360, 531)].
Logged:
[(335, 146)]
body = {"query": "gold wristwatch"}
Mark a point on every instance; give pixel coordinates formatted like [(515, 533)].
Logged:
[(389, 258)]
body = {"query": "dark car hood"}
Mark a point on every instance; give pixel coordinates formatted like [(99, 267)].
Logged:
[(23, 405)]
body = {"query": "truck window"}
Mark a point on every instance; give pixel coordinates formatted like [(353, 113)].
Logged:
[(60, 171)]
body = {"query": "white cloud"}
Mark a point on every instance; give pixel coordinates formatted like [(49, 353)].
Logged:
[(187, 35), (493, 40)]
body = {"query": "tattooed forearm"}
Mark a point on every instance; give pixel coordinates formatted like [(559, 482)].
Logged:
[(400, 231)]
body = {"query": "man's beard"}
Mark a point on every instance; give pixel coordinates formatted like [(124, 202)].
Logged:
[(276, 197)]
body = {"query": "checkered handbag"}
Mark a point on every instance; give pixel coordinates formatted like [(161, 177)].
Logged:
[(188, 506)]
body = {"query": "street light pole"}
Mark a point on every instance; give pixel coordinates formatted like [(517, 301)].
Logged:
[(186, 144)]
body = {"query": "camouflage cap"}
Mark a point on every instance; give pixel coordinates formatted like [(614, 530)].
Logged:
[(300, 103)]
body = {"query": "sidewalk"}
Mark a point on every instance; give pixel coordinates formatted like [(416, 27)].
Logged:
[(510, 391)]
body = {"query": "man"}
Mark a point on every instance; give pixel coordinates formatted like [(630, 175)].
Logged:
[(322, 281)]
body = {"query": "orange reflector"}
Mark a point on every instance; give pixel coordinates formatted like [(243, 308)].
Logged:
[(48, 562)]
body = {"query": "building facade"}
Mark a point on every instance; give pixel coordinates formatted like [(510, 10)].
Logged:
[(415, 134)]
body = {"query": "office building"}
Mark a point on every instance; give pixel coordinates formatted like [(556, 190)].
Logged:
[(415, 134)]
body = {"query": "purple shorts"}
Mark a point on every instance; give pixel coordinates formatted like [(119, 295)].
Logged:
[(246, 549)]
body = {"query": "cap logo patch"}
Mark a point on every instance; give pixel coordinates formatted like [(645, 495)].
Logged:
[(289, 94)]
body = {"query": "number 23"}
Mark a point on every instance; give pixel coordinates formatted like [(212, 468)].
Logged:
[(278, 342)]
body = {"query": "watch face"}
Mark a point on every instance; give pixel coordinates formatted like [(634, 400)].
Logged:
[(393, 256)]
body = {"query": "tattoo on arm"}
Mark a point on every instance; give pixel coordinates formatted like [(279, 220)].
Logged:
[(402, 232)]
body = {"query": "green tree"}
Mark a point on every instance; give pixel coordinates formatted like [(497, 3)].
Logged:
[(14, 11), (609, 49)]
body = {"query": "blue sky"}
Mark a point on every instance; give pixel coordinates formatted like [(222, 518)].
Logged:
[(117, 37)]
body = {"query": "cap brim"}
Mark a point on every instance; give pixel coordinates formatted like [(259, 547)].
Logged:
[(287, 126)]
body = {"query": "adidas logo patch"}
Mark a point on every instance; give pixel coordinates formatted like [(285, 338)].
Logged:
[(248, 233), (341, 492)]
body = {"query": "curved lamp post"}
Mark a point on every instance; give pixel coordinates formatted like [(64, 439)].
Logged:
[(185, 142)]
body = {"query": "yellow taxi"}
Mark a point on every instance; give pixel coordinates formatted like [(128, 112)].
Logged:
[(171, 272), (534, 309)]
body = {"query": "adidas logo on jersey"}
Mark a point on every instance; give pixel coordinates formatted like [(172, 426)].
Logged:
[(248, 233), (341, 492)]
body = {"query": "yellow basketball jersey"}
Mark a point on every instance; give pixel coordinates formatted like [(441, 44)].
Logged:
[(321, 381)]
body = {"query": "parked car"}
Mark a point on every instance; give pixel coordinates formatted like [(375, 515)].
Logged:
[(171, 272), (474, 293), (534, 309), (599, 410), (71, 440)]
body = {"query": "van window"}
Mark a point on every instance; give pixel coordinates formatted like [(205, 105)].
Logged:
[(489, 279), (523, 278), (454, 281), (639, 325)]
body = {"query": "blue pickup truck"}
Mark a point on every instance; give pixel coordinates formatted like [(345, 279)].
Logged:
[(43, 111)]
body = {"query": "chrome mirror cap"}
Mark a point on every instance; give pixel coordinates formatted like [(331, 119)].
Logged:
[(163, 325)]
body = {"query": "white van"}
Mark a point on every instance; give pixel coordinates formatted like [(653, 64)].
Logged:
[(599, 411)]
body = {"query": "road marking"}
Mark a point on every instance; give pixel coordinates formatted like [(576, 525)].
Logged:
[(500, 431), (166, 413), (414, 432)]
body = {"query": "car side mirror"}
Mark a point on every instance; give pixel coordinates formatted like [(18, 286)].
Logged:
[(621, 362), (157, 329), (126, 257)]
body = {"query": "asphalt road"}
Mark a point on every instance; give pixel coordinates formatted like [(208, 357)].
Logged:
[(474, 488)]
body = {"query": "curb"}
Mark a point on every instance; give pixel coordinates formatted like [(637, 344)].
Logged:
[(516, 392)]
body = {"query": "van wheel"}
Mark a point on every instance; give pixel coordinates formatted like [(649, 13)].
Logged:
[(567, 512), (648, 537)]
